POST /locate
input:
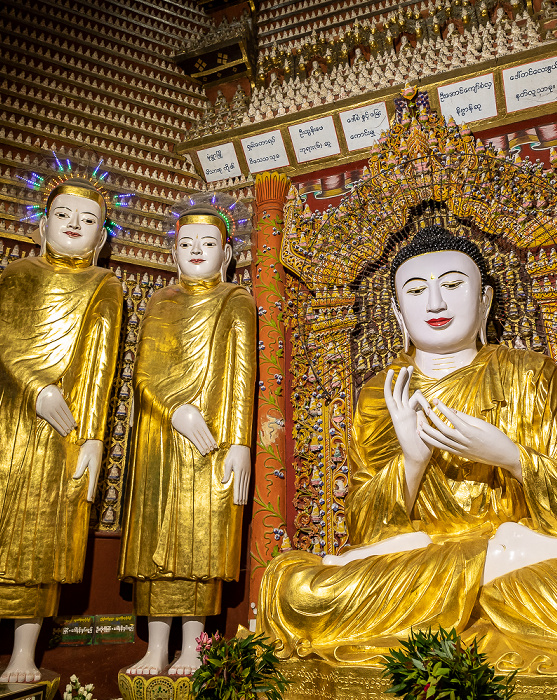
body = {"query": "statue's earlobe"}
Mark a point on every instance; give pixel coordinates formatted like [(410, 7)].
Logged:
[(98, 247), (175, 257), (401, 325), (487, 299), (42, 233), (226, 261)]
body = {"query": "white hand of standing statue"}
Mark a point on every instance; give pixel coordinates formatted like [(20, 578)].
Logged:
[(238, 460), (52, 407), (90, 457), (189, 422), (471, 438)]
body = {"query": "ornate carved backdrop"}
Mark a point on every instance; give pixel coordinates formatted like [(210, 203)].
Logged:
[(422, 171)]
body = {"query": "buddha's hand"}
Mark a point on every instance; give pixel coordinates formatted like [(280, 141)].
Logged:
[(238, 460), (90, 457), (52, 407), (471, 438), (407, 414), (189, 422)]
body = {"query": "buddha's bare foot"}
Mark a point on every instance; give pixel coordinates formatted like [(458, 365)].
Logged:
[(152, 663), (405, 542), (333, 560), (515, 546), (186, 664), (20, 670)]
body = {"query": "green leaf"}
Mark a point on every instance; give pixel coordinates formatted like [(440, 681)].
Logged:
[(453, 670)]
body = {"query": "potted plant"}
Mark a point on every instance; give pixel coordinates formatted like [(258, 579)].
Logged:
[(237, 668), (438, 665)]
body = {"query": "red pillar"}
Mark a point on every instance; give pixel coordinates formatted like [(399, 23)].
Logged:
[(269, 508)]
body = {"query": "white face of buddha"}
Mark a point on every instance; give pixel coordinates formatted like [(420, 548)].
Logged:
[(74, 226), (199, 252), (441, 302)]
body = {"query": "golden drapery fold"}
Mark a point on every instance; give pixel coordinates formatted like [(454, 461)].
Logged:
[(59, 324), (351, 613), (196, 346)]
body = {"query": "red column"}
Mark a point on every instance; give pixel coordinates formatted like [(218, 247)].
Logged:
[(269, 508)]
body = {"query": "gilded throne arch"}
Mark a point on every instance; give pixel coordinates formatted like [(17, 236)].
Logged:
[(422, 171)]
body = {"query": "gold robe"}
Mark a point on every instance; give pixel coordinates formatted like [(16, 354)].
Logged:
[(196, 346), (59, 324), (353, 612)]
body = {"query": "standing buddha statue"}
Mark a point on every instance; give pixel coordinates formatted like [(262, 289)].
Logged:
[(60, 319), (193, 382)]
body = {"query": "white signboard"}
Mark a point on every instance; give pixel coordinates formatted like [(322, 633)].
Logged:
[(265, 151), (219, 162), (363, 126), (530, 85), (469, 100), (314, 139)]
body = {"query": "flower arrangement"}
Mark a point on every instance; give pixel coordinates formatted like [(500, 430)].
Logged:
[(237, 668), (436, 665), (75, 691)]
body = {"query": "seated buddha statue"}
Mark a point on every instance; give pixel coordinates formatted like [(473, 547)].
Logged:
[(451, 508)]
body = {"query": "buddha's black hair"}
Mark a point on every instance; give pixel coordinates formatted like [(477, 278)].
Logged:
[(434, 239)]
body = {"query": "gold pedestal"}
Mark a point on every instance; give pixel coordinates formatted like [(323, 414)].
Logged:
[(317, 680), (162, 687), (45, 689), (312, 679)]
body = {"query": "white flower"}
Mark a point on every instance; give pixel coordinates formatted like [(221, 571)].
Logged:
[(74, 678), (89, 696), (89, 687), (68, 688), (67, 695)]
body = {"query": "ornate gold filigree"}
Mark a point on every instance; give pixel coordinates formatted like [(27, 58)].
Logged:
[(422, 171)]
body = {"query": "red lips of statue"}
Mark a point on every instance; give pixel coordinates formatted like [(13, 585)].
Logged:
[(439, 322), (73, 234)]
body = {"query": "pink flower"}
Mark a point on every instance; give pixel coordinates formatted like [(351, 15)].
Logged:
[(203, 642)]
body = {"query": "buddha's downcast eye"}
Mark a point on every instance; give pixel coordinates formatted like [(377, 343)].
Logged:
[(415, 291), (453, 284)]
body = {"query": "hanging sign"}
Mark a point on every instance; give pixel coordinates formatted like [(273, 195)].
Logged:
[(265, 151), (314, 139), (530, 85), (219, 162), (363, 126), (469, 100)]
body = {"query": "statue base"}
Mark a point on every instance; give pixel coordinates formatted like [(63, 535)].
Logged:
[(161, 687), (45, 689), (312, 678)]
